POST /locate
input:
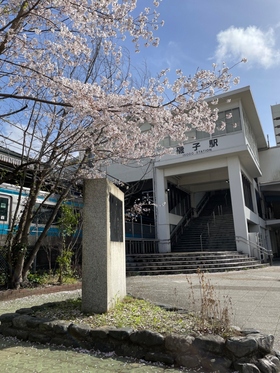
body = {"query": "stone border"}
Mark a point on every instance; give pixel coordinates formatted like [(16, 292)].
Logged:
[(11, 294), (249, 352)]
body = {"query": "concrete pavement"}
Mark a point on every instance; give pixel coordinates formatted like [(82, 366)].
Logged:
[(254, 294)]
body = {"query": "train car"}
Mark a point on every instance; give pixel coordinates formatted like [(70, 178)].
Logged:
[(9, 196)]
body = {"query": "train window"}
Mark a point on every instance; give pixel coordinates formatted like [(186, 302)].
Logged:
[(43, 214), (4, 208)]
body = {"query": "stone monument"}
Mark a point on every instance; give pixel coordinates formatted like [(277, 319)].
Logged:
[(103, 258)]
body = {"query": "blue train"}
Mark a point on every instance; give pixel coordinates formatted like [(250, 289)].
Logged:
[(9, 196)]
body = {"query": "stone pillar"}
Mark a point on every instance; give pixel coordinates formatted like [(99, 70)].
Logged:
[(103, 257), (238, 204)]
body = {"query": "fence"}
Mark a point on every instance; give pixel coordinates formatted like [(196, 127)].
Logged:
[(141, 246)]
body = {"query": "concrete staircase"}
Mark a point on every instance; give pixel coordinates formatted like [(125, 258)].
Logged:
[(209, 232), (196, 237), (188, 262)]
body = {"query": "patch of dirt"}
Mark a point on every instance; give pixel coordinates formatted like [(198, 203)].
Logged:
[(20, 293)]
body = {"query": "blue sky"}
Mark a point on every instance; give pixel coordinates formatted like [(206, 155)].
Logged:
[(198, 33)]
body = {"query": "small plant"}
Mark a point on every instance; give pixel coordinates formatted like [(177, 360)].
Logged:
[(40, 279), (214, 316), (64, 261), (67, 223)]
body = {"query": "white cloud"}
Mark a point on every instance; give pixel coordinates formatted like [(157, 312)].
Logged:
[(257, 46)]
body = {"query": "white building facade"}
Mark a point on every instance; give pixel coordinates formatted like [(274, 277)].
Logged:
[(236, 159)]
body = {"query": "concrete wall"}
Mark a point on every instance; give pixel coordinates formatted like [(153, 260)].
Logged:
[(270, 165)]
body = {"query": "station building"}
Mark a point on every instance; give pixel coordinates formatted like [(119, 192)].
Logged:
[(232, 172)]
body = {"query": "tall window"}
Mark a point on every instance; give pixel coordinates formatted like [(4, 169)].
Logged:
[(228, 121), (231, 119), (259, 204), (247, 193)]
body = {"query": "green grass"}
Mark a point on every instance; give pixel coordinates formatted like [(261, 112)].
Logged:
[(136, 314)]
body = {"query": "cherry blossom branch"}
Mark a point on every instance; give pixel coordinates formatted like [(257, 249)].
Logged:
[(30, 98)]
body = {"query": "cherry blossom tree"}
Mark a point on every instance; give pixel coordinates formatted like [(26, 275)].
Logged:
[(66, 88)]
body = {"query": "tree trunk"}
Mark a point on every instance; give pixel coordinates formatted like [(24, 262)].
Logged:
[(17, 276)]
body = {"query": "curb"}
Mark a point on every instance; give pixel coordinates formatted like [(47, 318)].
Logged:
[(21, 293)]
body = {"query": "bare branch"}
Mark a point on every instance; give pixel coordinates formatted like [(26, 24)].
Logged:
[(30, 98)]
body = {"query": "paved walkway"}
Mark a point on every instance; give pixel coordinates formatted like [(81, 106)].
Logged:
[(254, 294), (255, 297)]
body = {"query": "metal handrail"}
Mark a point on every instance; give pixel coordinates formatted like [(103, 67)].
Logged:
[(264, 253), (202, 203), (220, 212), (180, 227)]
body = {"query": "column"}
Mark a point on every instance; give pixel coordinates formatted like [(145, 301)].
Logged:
[(238, 204), (162, 215)]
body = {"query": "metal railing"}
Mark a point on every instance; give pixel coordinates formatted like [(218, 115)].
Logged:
[(212, 220), (256, 250), (176, 233), (206, 231), (202, 204), (141, 246), (178, 230), (139, 230)]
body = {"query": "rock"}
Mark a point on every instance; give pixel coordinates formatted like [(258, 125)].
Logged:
[(248, 368), (79, 331), (47, 326), (210, 343), (147, 338), (10, 332), (39, 338), (178, 344), (241, 346), (265, 342), (20, 322), (134, 351), (60, 327), (215, 364), (249, 331), (27, 311), (269, 364), (98, 333), (120, 334), (189, 361), (34, 323), (7, 317)]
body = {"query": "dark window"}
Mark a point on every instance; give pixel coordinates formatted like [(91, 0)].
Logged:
[(42, 213), (4, 209), (247, 193), (259, 204), (228, 121)]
